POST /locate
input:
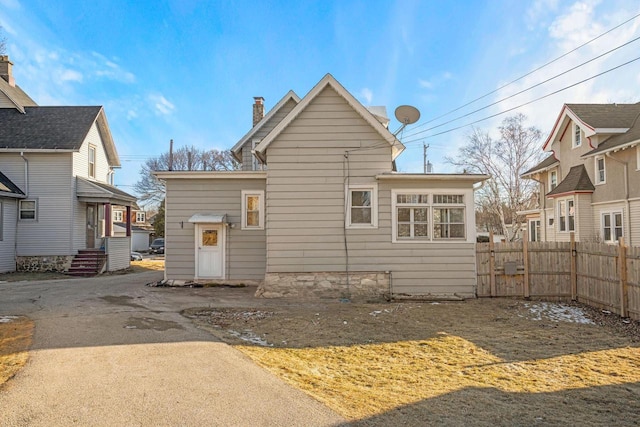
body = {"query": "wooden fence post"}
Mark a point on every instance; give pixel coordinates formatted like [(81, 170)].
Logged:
[(574, 269), (624, 291), (525, 255), (492, 265)]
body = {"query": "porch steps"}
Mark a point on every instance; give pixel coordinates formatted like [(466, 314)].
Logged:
[(87, 263)]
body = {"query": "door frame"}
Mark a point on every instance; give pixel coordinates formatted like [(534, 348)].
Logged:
[(223, 252), (94, 221)]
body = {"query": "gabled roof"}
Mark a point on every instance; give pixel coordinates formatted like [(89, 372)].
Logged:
[(543, 165), (9, 189), (290, 96), (53, 129), (16, 95), (576, 181), (329, 80), (619, 142), (595, 118)]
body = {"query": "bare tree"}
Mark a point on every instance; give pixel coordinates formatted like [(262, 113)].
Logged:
[(152, 190), (3, 42), (505, 160)]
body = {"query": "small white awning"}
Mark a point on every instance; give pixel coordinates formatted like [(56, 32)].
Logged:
[(208, 218)]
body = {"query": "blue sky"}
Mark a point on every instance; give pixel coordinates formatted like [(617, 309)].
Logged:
[(188, 70)]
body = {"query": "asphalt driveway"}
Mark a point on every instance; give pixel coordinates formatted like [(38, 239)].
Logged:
[(110, 351)]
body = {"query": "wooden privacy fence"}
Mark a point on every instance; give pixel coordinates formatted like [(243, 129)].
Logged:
[(598, 274)]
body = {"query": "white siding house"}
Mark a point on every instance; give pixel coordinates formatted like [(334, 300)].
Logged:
[(62, 160), (321, 211)]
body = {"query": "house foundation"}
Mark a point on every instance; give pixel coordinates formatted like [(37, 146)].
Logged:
[(330, 285), (41, 264)]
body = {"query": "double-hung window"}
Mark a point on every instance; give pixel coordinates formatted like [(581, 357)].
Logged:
[(612, 226), (117, 216), (601, 175), (412, 216), (577, 136), (362, 206), (566, 215), (553, 180), (534, 230), (252, 209), (28, 210), (92, 161), (448, 216), (140, 216)]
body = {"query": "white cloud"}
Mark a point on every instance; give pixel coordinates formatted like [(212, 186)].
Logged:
[(10, 4), (161, 104), (132, 114), (67, 75), (367, 95), (426, 84)]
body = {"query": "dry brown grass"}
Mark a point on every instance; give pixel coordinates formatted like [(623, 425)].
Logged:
[(482, 362), (367, 380), (148, 265), (31, 276), (15, 340)]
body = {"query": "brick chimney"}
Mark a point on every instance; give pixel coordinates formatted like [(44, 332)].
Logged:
[(258, 109), (5, 70)]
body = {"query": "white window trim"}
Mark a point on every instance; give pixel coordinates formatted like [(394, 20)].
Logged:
[(550, 181), (538, 231), (140, 214), (612, 213), (469, 215), (566, 218), (374, 205), (597, 171), (394, 215), (638, 157), (89, 163), (20, 210), (116, 214), (245, 194), (576, 143)]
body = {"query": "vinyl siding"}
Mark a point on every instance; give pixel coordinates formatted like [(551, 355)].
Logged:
[(118, 253), (306, 205), (634, 218), (5, 102), (247, 157), (585, 227), (81, 158), (245, 250), (51, 184), (8, 215)]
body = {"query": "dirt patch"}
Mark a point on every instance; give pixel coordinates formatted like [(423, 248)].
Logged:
[(16, 333), (480, 362), (31, 277)]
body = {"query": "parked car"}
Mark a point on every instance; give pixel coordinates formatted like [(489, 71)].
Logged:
[(136, 256), (157, 246)]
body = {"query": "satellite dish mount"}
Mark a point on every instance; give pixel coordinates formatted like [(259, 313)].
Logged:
[(407, 115)]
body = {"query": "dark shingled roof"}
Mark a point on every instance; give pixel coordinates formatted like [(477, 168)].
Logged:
[(542, 165), (7, 184), (577, 180), (62, 128), (606, 115), (616, 141)]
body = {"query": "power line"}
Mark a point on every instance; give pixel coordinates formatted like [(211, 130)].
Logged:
[(527, 89), (525, 104), (530, 72)]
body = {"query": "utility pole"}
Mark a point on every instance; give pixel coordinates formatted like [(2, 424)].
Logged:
[(424, 148)]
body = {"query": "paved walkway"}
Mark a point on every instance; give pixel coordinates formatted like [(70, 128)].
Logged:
[(110, 351)]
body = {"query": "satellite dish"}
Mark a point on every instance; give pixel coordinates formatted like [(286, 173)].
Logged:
[(407, 115)]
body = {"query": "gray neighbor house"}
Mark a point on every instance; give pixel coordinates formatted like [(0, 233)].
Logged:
[(319, 211)]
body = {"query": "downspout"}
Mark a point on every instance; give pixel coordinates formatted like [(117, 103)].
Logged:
[(626, 193), (26, 173)]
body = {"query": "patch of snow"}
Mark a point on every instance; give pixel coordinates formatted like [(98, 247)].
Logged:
[(558, 313), (375, 313), (7, 319), (250, 337), (435, 303)]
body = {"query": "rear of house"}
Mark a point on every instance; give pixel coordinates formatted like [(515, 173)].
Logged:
[(325, 215)]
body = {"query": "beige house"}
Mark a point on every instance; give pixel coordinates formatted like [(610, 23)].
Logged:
[(318, 209), (56, 192), (591, 179)]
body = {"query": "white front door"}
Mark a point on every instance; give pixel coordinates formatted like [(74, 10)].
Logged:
[(209, 251)]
